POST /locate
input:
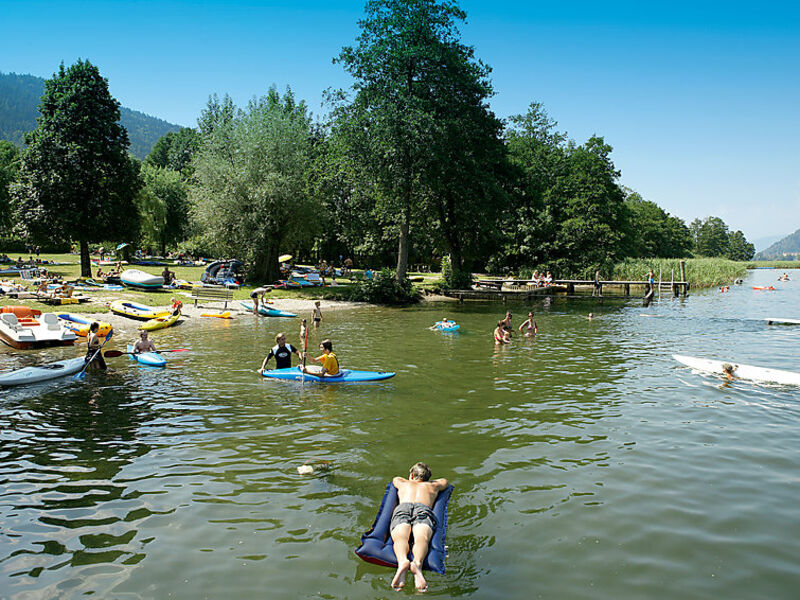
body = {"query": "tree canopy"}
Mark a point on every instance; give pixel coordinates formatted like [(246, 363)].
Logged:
[(252, 170), (76, 179)]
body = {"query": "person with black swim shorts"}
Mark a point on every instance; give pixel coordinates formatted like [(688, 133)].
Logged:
[(414, 516)]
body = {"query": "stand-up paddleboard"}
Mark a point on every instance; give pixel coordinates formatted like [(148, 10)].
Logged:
[(759, 374), (345, 376), (783, 321), (267, 312), (151, 359), (51, 370)]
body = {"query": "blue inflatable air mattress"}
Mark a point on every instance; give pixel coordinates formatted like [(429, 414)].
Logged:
[(376, 544)]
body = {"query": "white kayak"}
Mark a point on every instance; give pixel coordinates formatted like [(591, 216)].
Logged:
[(759, 374), (783, 321), (52, 370)]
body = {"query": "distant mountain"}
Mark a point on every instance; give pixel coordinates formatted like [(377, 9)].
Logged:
[(786, 249), (19, 101), (766, 242)]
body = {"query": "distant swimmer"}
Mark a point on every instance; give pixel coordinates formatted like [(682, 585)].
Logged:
[(591, 316), (529, 327), (728, 370), (413, 517), (784, 277), (443, 324)]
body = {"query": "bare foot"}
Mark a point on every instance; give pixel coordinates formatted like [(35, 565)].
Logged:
[(419, 579), (400, 576)]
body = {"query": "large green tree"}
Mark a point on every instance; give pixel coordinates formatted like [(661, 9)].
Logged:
[(77, 180), (415, 87), (252, 196), (9, 167), (175, 151), (163, 206), (711, 237), (653, 232), (739, 248)]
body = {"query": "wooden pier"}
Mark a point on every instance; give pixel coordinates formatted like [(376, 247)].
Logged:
[(523, 289)]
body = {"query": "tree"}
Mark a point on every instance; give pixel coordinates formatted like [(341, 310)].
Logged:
[(9, 167), (252, 170), (711, 237), (410, 70), (739, 248), (175, 151), (77, 180), (653, 232), (163, 206)]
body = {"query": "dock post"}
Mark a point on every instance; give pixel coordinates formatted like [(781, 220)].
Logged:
[(685, 285), (628, 289)]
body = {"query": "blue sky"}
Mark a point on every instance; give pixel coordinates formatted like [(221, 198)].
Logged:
[(699, 100)]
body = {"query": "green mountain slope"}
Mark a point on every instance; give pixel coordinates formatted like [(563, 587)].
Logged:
[(786, 249), (19, 99)]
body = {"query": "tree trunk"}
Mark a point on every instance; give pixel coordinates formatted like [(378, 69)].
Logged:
[(402, 250), (265, 267), (86, 263)]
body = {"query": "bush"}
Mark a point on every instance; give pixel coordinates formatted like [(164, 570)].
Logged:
[(455, 280), (383, 288)]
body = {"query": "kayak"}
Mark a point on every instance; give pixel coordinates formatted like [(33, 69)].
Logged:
[(345, 376), (225, 315), (764, 287), (783, 321), (160, 322), (51, 370), (151, 359), (267, 312), (80, 325), (138, 311), (139, 279), (759, 374)]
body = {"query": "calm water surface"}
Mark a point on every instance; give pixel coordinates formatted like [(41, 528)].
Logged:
[(586, 462)]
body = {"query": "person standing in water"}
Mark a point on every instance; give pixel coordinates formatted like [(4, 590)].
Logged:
[(500, 334), (528, 327), (317, 315), (282, 353), (413, 516), (93, 355)]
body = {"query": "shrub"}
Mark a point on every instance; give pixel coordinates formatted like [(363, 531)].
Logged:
[(383, 288), (456, 280)]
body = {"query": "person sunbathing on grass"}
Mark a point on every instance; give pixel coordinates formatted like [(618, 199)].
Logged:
[(413, 515)]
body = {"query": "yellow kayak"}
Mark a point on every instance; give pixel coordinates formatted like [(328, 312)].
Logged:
[(161, 322), (138, 311), (225, 315), (80, 325)]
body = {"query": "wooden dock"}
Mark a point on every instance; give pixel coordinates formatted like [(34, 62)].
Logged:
[(523, 289)]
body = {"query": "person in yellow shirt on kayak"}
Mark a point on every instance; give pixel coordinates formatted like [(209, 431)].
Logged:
[(330, 364)]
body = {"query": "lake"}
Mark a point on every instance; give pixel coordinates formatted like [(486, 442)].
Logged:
[(587, 463)]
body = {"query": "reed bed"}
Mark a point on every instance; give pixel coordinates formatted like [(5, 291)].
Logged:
[(700, 272)]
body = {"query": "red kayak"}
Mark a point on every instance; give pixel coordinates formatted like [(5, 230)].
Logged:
[(763, 287)]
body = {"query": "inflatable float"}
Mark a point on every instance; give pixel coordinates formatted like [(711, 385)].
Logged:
[(376, 544), (138, 311), (344, 376), (139, 279), (225, 315), (80, 325), (448, 327), (764, 287)]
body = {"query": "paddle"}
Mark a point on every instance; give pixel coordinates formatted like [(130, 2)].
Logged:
[(305, 350), (116, 353), (82, 374)]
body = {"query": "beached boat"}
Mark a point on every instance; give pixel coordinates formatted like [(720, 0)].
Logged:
[(139, 279), (24, 328), (138, 311)]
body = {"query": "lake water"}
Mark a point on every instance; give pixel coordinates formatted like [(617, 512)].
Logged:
[(587, 463)]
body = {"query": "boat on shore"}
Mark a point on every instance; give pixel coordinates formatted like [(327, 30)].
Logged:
[(139, 279), (23, 328)]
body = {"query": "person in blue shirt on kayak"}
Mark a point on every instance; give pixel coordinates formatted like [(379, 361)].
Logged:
[(282, 353), (143, 344)]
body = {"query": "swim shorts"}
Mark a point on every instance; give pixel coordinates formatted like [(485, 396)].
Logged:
[(412, 513)]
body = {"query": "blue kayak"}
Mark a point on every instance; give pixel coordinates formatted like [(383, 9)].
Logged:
[(151, 359), (345, 376), (267, 312)]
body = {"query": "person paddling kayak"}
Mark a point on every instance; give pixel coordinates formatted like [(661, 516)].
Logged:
[(143, 344), (330, 363), (93, 356)]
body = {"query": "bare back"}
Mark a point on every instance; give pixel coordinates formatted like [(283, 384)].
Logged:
[(424, 492)]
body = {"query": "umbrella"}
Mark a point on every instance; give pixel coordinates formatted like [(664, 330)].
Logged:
[(284, 258)]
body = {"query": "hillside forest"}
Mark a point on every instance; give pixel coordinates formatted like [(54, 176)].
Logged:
[(409, 168)]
